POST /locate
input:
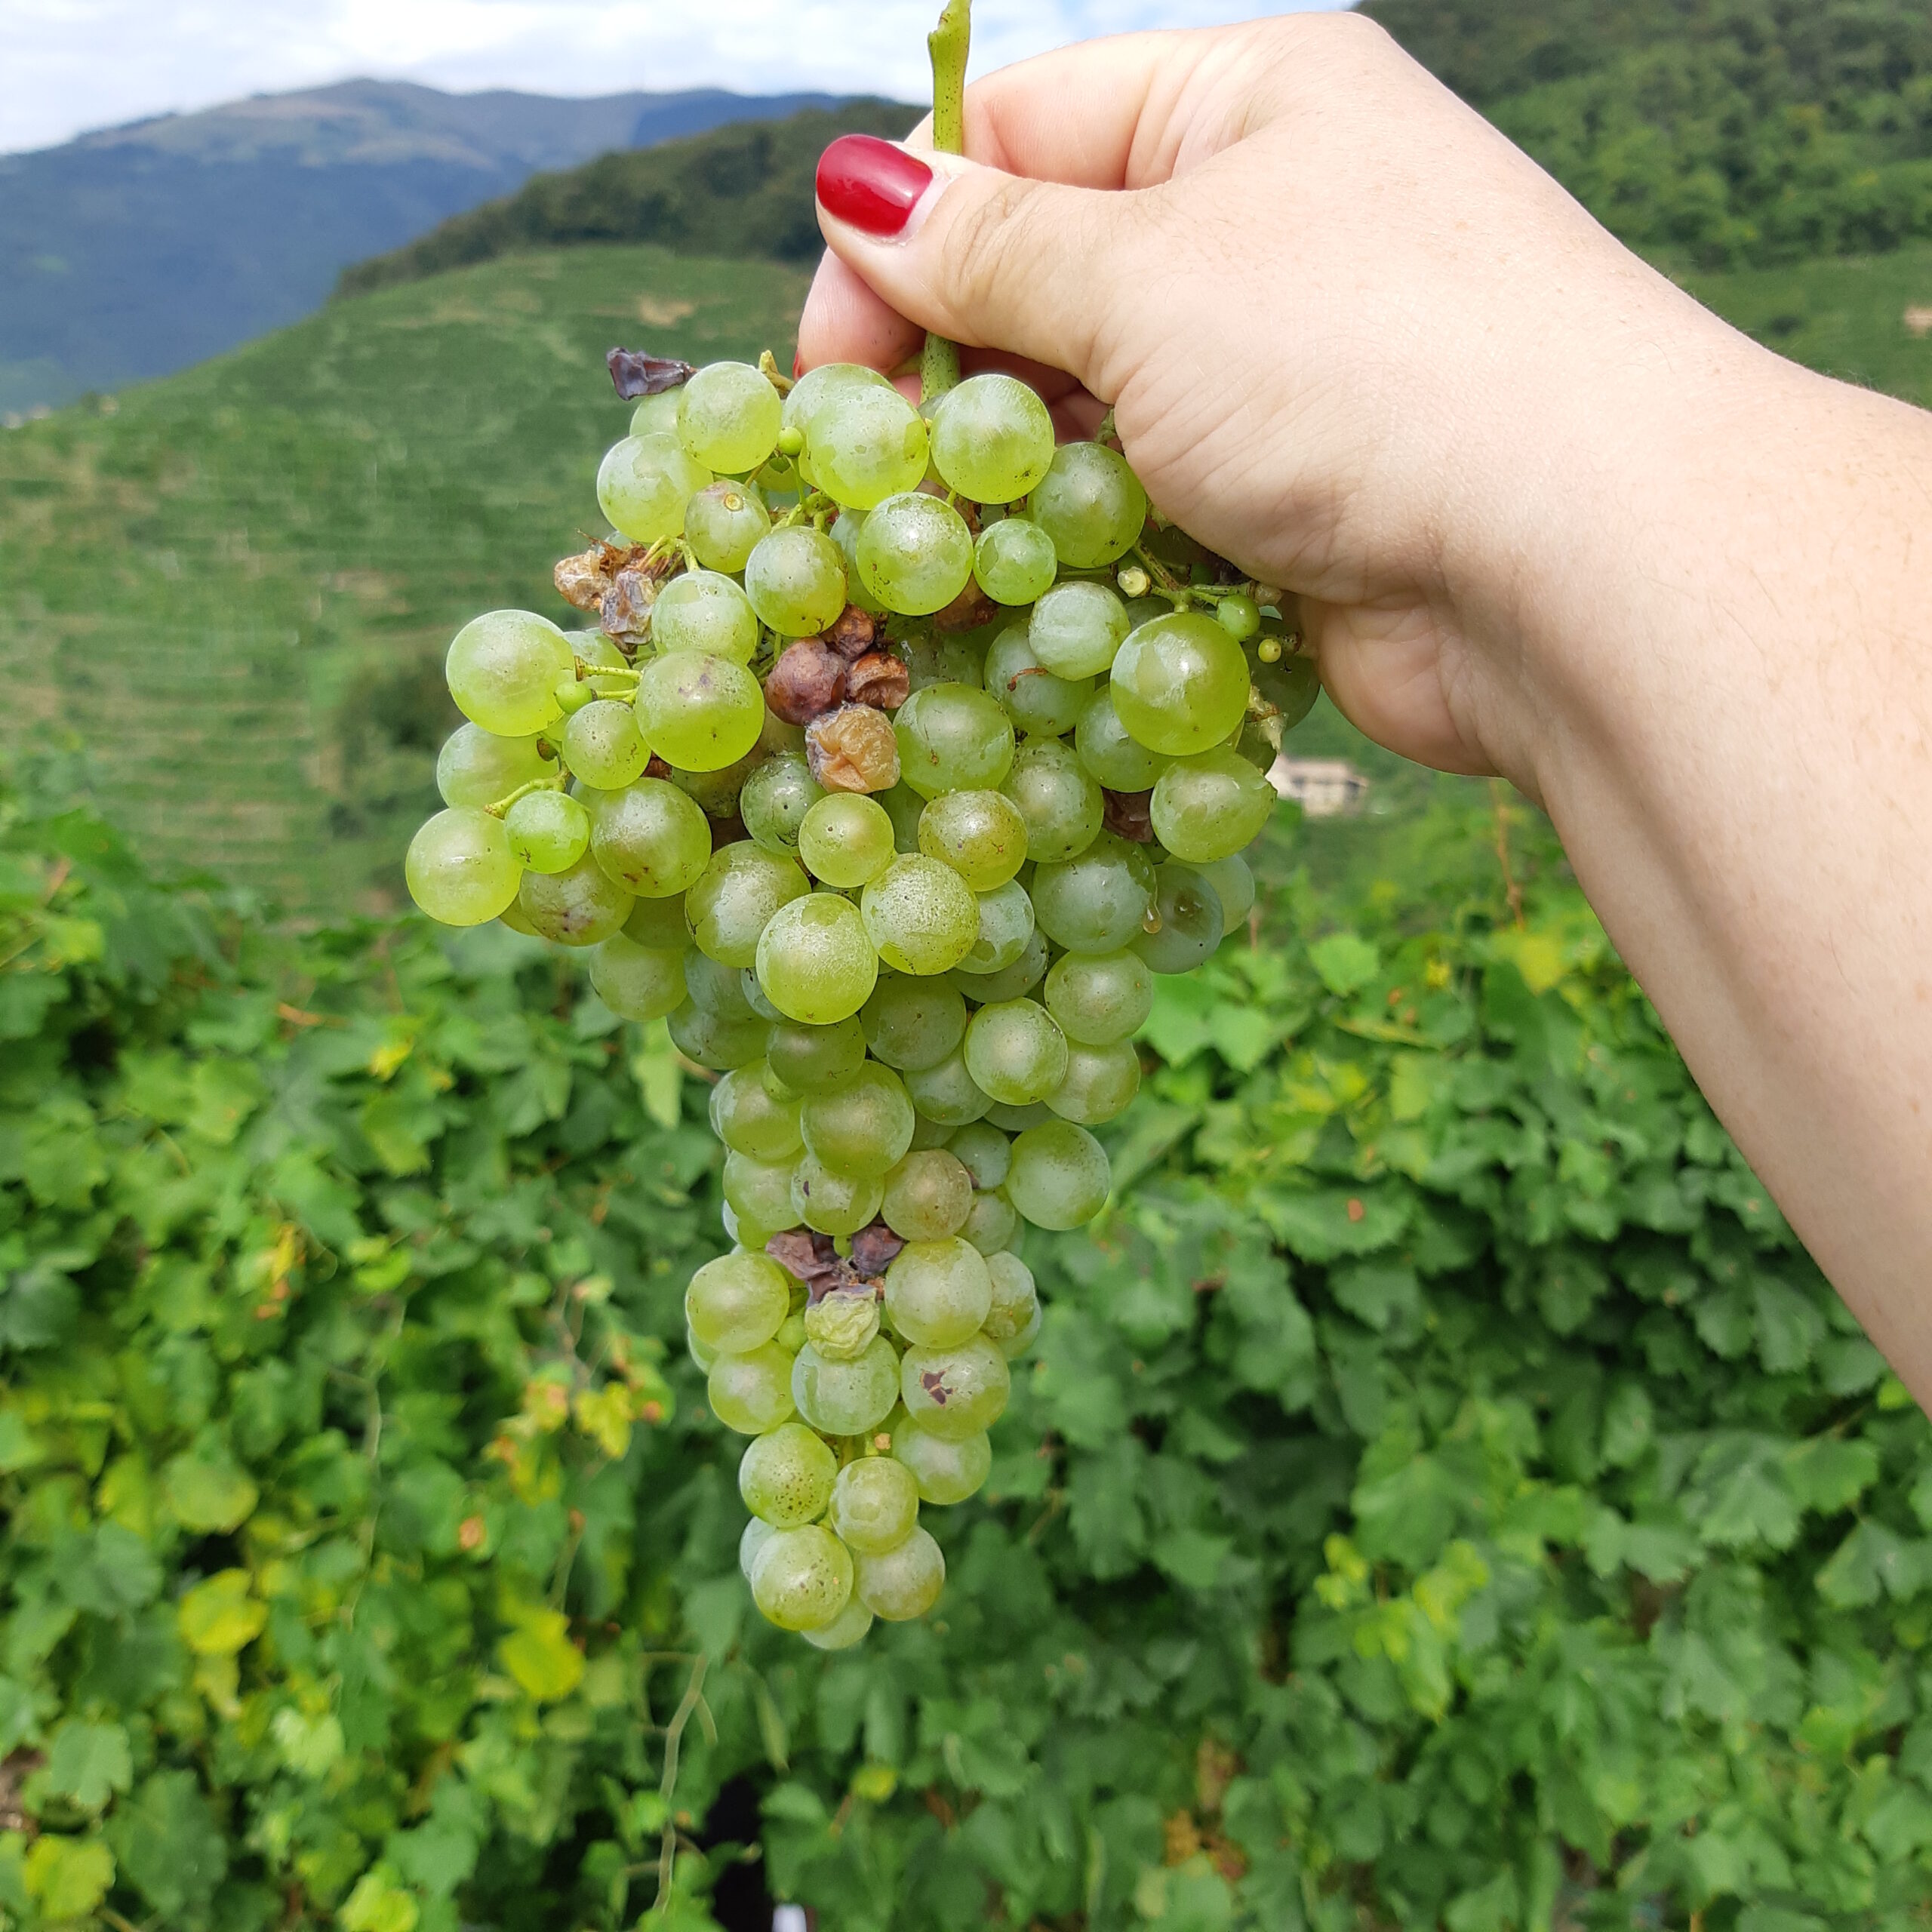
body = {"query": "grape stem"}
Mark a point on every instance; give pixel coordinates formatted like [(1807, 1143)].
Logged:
[(948, 45), (584, 673), (503, 804)]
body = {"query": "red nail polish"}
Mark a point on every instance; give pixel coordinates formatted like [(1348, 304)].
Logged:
[(870, 184)]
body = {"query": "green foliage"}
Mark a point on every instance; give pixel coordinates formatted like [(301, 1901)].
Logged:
[(742, 190), (1445, 1493)]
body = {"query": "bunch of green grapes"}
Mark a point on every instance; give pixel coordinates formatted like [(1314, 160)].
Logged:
[(906, 750)]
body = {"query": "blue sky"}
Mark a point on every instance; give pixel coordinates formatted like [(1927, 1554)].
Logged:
[(68, 65)]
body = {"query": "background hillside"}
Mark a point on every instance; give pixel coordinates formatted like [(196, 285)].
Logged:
[(131, 252)]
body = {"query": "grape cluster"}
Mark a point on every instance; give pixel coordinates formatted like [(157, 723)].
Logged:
[(906, 750)]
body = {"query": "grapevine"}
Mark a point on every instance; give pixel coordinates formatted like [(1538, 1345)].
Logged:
[(907, 746)]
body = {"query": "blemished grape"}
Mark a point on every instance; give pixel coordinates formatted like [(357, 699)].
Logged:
[(1007, 982), (795, 579), (714, 1040), (704, 610), (580, 905), (874, 1504), (992, 1223), (1076, 629), (846, 839), (1014, 561), (1097, 902), (750, 1391), (1099, 1085), (750, 1120), (937, 1290), (723, 524), (953, 738), (1059, 800), (651, 839), (1039, 702), (864, 445), (915, 554), (1060, 1177), (834, 1204), (734, 898), (982, 836), (736, 1303), (776, 800), (1179, 684), (548, 830), (635, 981), (1006, 926), (728, 417), (786, 1478), (846, 1397), (927, 1196), (1090, 504), (802, 1578), (462, 867), (1114, 759), (816, 960), (759, 1192), (603, 746), (955, 1391), (912, 1023), (842, 1322), (943, 1471), (699, 713), (1209, 806), (1190, 921), (815, 1060), (476, 768), (983, 1151), (864, 1126), (902, 1583), (504, 669), (946, 1093), (920, 916), (644, 485), (1100, 997), (1234, 886)]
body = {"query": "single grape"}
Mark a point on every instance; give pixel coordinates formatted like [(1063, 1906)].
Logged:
[(1114, 760), (1076, 629), (750, 1391), (1090, 504), (816, 1059), (920, 916), (915, 553), (946, 1093), (927, 1134), (821, 385), (1038, 702), (801, 1580), (1058, 800), (657, 925), (777, 797), (745, 1117), (603, 746), (656, 415), (476, 768), (1007, 982), (699, 712), (1234, 886), (580, 905), (735, 897), (911, 1023), (795, 579), (943, 1471), (1097, 902), (504, 669), (548, 830), (1291, 686), (1016, 1302), (846, 839), (816, 960), (992, 1224), (945, 657), (718, 989), (927, 1196), (1059, 1177), (905, 807), (736, 1303), (1006, 929), (982, 836), (953, 738), (712, 1040), (846, 1397), (759, 1192), (845, 530), (1014, 561), (862, 1127), (1099, 1085), (1239, 616), (874, 1504), (728, 417), (902, 1583), (1015, 1052), (1179, 684), (937, 1290), (848, 1627), (863, 445), (1100, 997), (757, 1533), (992, 440), (834, 1204), (842, 1322), (706, 611), (635, 981), (650, 838), (644, 484), (723, 524), (462, 867), (1209, 806), (785, 1477), (1190, 917), (983, 1151), (955, 1391)]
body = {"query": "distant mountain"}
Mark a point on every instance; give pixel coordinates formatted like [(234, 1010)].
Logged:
[(137, 250)]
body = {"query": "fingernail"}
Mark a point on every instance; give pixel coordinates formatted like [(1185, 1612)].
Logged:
[(871, 183)]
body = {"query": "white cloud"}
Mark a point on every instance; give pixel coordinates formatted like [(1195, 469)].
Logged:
[(66, 66)]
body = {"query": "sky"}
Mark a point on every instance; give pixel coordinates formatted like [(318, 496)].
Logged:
[(67, 65)]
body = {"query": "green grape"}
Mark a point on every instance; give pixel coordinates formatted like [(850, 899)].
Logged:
[(705, 611), (1014, 561), (915, 553), (644, 484), (728, 417), (699, 712), (1257, 742), (1233, 887), (816, 1059), (944, 657), (955, 1391), (980, 835), (735, 897), (476, 768), (513, 916), (1039, 702), (504, 669), (864, 445), (718, 989), (581, 906), (757, 1535), (992, 1223), (1015, 1052), (862, 1127), (786, 1478), (846, 1397), (1190, 917), (920, 916), (1060, 800), (723, 524), (1016, 1302), (1208, 807), (927, 1196), (874, 1504), (1116, 761), (656, 415), (816, 961), (946, 1093), (1179, 684), (1006, 927), (651, 839), (834, 1204), (750, 1391), (942, 1471), (905, 807), (759, 1192), (1098, 901), (716, 793), (1099, 1083), (845, 530), (795, 579), (1007, 982), (1291, 686), (737, 1302), (937, 1290), (1100, 997), (1239, 616), (912, 1023), (992, 440), (1090, 504), (775, 802), (635, 981), (952, 738), (848, 1627), (462, 867), (657, 925), (1016, 1120), (712, 1039), (1060, 1177), (748, 1120), (791, 1337), (846, 839), (603, 746), (548, 830), (983, 1151), (927, 1134), (1076, 629), (822, 384), (802, 1579), (903, 1583)]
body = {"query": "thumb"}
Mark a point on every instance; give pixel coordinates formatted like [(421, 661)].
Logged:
[(991, 259)]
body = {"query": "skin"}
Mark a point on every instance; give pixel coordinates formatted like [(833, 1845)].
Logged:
[(1545, 518)]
